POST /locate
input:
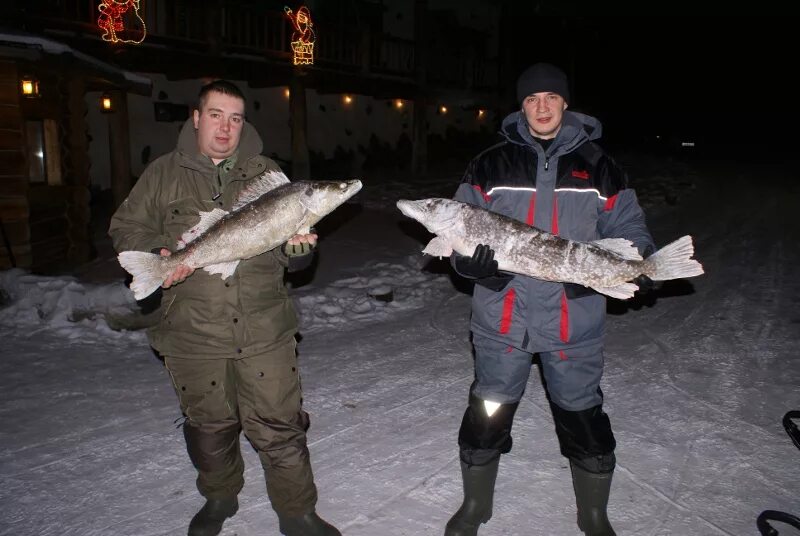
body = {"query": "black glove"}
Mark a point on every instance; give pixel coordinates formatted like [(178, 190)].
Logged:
[(480, 265), (482, 268), (645, 284)]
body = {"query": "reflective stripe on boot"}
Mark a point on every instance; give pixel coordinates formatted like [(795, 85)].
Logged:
[(591, 497), (478, 496)]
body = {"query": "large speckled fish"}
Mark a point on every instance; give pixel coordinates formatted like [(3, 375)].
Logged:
[(606, 265), (266, 214)]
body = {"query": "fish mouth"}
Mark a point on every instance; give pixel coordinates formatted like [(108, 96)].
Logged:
[(350, 188), (413, 209)]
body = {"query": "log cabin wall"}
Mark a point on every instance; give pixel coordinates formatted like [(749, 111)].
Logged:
[(44, 169), (15, 240)]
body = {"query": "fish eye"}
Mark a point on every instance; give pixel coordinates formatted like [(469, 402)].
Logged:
[(342, 185), (309, 191)]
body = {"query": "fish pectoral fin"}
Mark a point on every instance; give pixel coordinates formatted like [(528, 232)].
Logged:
[(622, 291), (207, 219), (224, 269), (621, 246), (438, 247)]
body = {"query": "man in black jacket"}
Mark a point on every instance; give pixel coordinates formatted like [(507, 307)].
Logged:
[(549, 173)]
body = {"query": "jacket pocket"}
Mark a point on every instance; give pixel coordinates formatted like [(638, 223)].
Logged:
[(182, 214)]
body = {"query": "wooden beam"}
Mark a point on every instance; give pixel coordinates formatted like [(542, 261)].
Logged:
[(120, 148), (301, 161)]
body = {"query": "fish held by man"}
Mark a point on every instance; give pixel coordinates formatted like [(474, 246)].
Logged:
[(265, 215), (606, 265)]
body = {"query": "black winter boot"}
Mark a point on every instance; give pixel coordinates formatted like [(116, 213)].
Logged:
[(478, 495), (307, 525), (591, 496), (208, 521)]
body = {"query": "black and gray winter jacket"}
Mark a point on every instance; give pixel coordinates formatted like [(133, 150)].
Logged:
[(573, 190)]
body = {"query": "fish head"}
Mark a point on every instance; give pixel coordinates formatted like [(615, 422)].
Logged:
[(322, 197), (436, 214)]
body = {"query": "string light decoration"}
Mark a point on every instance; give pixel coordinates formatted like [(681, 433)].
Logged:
[(303, 36), (111, 20)]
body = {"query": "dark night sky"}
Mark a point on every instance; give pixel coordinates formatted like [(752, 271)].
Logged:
[(723, 79)]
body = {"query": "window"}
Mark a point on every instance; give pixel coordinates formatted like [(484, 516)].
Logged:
[(44, 152)]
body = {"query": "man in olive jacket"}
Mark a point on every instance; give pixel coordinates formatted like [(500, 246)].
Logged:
[(229, 345)]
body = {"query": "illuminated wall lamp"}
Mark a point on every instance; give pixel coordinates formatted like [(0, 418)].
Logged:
[(29, 86), (442, 109), (481, 113), (347, 99), (399, 104), (106, 104)]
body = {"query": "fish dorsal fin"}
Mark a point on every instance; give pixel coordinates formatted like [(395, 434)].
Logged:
[(621, 246), (267, 182), (207, 219)]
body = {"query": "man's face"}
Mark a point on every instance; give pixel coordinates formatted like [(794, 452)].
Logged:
[(219, 125), (544, 112)]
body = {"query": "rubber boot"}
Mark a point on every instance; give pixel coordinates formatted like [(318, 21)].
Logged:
[(591, 497), (208, 521), (478, 495), (306, 525)]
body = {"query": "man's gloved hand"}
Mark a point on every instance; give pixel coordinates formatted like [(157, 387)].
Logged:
[(297, 250), (645, 284), (480, 265), (301, 244), (483, 268)]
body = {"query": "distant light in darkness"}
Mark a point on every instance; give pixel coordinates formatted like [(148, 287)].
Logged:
[(399, 103), (481, 113), (286, 92), (442, 109), (347, 99)]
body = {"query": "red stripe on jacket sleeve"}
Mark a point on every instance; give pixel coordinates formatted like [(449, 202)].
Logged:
[(564, 318), (610, 202), (508, 311), (486, 197)]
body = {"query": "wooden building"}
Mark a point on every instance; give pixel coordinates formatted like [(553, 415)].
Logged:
[(44, 204), (44, 163)]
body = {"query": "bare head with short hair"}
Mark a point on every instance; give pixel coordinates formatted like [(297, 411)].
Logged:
[(219, 120), (220, 86)]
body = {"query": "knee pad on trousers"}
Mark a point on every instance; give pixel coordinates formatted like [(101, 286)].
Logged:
[(586, 438), (483, 438), (212, 447)]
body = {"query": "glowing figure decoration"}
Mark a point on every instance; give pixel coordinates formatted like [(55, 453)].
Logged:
[(120, 21), (303, 36)]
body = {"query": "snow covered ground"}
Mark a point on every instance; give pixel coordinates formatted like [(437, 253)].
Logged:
[(696, 385)]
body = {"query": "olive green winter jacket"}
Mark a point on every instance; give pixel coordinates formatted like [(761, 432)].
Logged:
[(205, 316)]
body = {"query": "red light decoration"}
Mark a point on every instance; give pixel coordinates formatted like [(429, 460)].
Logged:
[(303, 36), (111, 20)]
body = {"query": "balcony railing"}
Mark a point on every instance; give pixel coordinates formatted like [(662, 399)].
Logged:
[(194, 25)]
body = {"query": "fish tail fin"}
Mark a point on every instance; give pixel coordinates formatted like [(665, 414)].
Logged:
[(147, 270), (673, 261)]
